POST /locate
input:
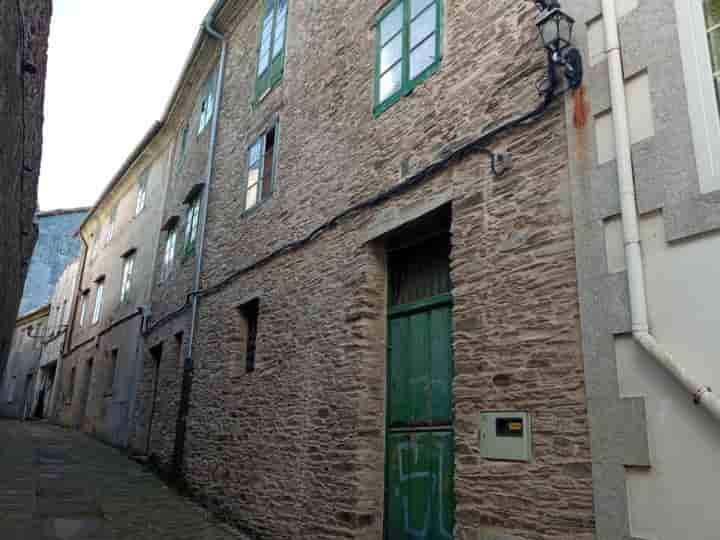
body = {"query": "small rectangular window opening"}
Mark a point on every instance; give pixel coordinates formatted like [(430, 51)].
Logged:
[(250, 313), (110, 381), (261, 161)]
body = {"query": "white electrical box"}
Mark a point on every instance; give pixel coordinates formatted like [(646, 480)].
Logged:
[(506, 436)]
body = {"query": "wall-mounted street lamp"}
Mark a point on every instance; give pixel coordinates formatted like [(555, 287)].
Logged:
[(556, 31)]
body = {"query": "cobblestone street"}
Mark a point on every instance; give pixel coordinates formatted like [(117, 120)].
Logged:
[(61, 485)]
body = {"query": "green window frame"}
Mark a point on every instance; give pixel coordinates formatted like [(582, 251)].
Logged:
[(184, 136), (168, 254), (261, 166), (409, 48), (207, 107), (191, 226), (127, 278), (271, 46)]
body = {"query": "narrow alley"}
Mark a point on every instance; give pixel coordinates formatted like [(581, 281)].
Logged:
[(63, 485)]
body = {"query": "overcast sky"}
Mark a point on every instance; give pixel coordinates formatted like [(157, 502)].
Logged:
[(112, 66)]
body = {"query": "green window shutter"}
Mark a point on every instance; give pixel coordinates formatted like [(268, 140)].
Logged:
[(409, 47), (271, 46)]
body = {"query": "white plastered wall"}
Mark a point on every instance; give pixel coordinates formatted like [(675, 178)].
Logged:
[(677, 498)]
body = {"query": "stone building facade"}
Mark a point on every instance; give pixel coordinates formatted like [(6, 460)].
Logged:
[(24, 30), (18, 382), (100, 370), (275, 414), (47, 388), (353, 306)]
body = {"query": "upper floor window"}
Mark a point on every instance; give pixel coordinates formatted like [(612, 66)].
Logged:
[(271, 51), (169, 255), (261, 167), (83, 308), (207, 107), (408, 48), (62, 313), (191, 225), (127, 276), (712, 28), (699, 32), (142, 191), (94, 243), (183, 144), (98, 302), (111, 225)]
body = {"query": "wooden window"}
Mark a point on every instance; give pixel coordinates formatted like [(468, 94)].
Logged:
[(83, 308), (95, 240), (169, 254), (207, 107), (97, 311), (261, 169), (271, 49), (62, 313), (409, 41), (712, 29), (127, 276), (182, 150), (112, 368), (191, 226), (249, 314), (421, 272), (111, 225), (142, 191)]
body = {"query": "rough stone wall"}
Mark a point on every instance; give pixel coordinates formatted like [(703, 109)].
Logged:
[(24, 29), (184, 173), (296, 449), (170, 295)]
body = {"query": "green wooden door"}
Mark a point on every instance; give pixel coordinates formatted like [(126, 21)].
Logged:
[(420, 440)]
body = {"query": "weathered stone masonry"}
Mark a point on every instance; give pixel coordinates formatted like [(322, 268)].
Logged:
[(296, 448), (24, 29)]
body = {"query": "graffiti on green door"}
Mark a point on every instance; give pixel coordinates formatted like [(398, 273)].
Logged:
[(421, 486)]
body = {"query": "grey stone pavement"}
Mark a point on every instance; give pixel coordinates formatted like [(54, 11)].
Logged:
[(57, 484)]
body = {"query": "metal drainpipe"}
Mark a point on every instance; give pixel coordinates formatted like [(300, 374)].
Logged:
[(207, 26), (701, 393)]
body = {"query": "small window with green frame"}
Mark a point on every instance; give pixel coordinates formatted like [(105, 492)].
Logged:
[(207, 106), (409, 48), (182, 145), (261, 160), (271, 47), (191, 225)]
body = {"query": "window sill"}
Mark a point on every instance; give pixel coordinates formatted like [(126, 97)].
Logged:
[(258, 100), (246, 214)]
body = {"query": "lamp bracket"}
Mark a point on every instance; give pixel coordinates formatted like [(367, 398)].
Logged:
[(573, 64)]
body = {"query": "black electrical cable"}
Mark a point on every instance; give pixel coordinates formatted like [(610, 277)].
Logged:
[(546, 87)]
